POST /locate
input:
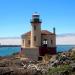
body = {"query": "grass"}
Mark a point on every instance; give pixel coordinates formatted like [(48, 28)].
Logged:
[(61, 68)]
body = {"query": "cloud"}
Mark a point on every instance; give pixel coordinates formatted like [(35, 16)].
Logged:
[(63, 39), (10, 41), (66, 39)]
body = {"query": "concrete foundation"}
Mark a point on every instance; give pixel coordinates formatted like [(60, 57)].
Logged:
[(35, 53), (31, 53)]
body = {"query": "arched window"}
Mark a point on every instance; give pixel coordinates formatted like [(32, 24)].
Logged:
[(23, 41), (34, 27), (29, 42), (51, 41), (44, 43), (34, 38)]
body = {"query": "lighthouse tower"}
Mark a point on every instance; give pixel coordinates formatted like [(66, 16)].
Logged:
[(35, 31)]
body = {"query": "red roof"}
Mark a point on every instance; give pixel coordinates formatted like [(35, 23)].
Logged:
[(28, 33), (43, 32)]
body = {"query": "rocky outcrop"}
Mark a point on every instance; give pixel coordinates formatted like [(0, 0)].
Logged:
[(18, 71)]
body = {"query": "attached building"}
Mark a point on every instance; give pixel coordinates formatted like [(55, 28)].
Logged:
[(37, 42)]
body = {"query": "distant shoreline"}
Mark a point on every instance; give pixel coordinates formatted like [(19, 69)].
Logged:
[(10, 45)]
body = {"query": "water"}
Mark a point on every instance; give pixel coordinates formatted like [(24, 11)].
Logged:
[(5, 51), (61, 48)]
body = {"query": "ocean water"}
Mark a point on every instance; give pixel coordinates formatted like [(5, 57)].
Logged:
[(5, 51), (62, 48)]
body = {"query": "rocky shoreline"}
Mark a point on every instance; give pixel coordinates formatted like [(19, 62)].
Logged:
[(60, 64)]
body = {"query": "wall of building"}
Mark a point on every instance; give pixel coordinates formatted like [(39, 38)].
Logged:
[(51, 40), (36, 33), (32, 53), (47, 50), (25, 41)]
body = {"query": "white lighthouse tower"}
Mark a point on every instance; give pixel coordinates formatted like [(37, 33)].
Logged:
[(35, 30)]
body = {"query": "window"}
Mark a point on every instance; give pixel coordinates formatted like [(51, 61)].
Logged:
[(34, 38), (51, 41), (29, 42), (23, 41), (34, 27), (45, 42)]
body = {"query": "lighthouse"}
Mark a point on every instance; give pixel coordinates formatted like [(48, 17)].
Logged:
[(35, 30), (37, 42)]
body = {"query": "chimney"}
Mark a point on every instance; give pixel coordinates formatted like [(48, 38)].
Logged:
[(54, 30)]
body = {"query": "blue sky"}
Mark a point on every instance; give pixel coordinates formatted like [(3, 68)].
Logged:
[(15, 16)]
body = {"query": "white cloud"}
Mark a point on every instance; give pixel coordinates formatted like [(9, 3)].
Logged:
[(10, 41), (67, 39)]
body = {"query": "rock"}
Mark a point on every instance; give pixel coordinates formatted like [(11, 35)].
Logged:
[(5, 70)]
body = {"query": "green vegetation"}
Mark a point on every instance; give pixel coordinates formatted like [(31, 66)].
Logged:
[(61, 68)]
